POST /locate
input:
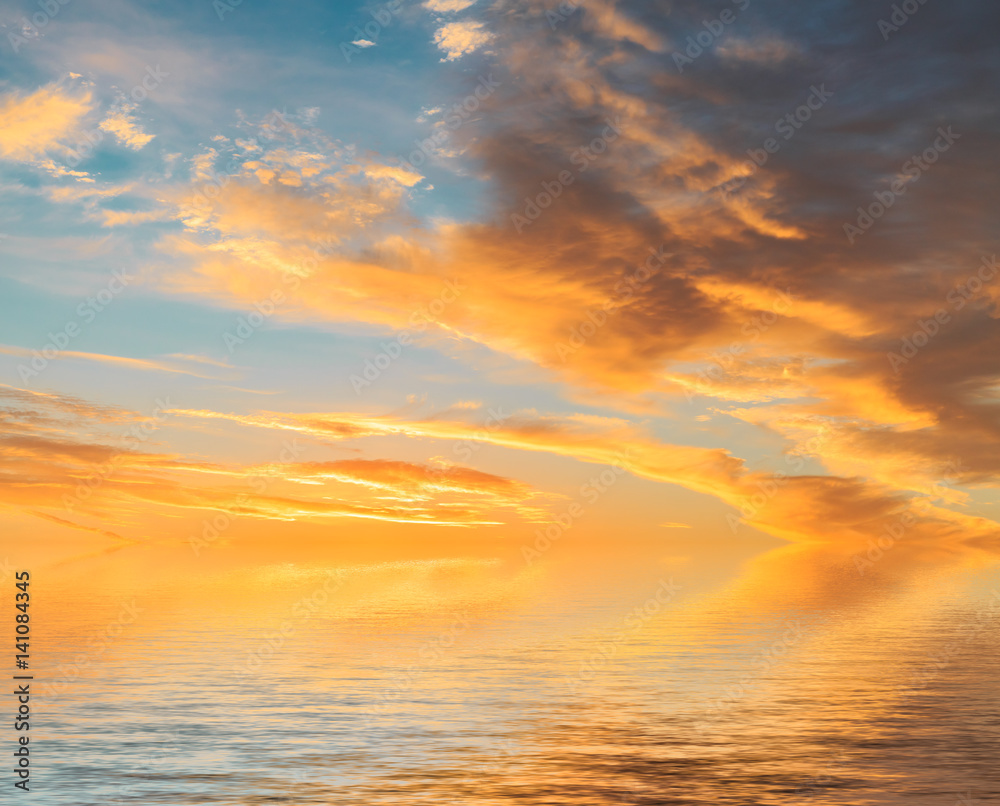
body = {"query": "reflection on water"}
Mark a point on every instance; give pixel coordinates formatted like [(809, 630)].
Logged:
[(632, 677)]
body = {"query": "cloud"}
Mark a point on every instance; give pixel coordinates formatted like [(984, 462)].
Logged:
[(143, 364), (401, 175), (457, 39), (605, 18), (123, 125), (802, 508), (765, 51), (53, 461), (651, 274), (448, 6), (35, 124)]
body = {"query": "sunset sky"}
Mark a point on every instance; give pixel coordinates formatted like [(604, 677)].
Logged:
[(453, 271)]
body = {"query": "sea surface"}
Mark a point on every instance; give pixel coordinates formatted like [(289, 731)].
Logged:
[(668, 673)]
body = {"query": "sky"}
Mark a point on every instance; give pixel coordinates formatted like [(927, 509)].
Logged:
[(453, 273)]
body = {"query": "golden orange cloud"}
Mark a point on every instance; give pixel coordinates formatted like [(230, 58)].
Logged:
[(34, 124)]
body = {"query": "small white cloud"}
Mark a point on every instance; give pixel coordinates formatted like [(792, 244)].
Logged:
[(363, 43), (427, 114), (457, 39), (448, 6), (126, 128)]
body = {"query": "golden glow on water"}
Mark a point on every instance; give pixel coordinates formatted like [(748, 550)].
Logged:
[(678, 673)]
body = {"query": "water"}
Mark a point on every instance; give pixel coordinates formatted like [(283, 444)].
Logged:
[(629, 674)]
